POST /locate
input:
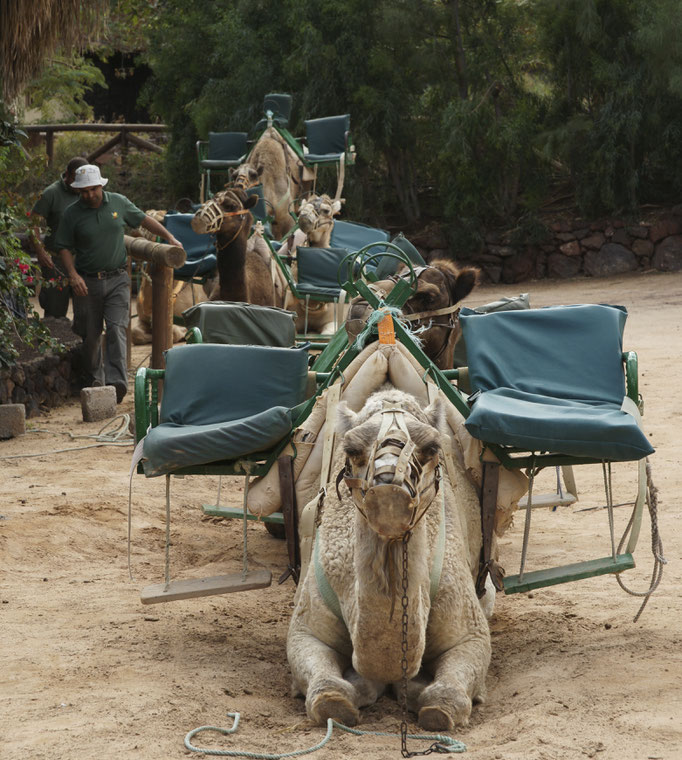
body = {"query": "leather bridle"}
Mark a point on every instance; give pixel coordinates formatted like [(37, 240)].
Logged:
[(407, 473)]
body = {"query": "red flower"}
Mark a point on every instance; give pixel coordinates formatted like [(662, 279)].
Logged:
[(23, 268), (29, 279)]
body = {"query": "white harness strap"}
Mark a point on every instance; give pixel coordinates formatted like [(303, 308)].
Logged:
[(308, 517)]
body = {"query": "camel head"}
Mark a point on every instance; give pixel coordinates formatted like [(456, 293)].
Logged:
[(245, 176), (392, 460), (226, 214), (440, 286), (316, 218)]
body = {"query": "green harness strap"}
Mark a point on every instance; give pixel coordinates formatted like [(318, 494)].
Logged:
[(332, 600)]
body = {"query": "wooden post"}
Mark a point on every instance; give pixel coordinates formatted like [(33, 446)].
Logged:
[(164, 258), (49, 146), (162, 291)]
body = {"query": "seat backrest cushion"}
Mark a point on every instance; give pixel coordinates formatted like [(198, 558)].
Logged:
[(239, 323), (226, 146), (207, 383), (353, 236), (327, 135), (389, 265), (565, 352), (196, 246), (320, 266), (506, 303), (280, 105), (259, 211)]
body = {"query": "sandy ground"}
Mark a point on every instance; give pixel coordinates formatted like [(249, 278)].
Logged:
[(87, 671)]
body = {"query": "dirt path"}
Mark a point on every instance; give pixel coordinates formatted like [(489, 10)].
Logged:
[(88, 672)]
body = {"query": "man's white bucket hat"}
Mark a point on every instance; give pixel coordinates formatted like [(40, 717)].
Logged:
[(88, 176)]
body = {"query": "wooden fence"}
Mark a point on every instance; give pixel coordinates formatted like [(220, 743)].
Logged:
[(124, 136)]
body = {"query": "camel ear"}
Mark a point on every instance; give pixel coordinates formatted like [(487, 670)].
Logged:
[(336, 208), (465, 281), (435, 414), (346, 418), (251, 201)]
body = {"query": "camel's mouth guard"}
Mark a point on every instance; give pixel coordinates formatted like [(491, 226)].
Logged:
[(389, 510)]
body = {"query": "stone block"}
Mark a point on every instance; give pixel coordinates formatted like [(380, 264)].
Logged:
[(12, 420), (570, 249), (642, 248), (98, 403), (668, 255), (612, 259)]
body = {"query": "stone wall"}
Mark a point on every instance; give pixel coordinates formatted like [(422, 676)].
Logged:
[(573, 247), (42, 381)]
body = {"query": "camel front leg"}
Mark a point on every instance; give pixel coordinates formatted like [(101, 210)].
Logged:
[(317, 670), (458, 680)]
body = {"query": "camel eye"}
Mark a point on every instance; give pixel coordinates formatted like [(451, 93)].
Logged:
[(429, 449), (353, 452)]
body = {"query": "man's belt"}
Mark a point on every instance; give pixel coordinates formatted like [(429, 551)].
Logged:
[(103, 275)]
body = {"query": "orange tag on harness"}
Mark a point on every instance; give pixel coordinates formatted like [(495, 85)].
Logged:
[(386, 331)]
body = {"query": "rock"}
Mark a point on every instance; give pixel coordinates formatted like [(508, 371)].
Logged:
[(493, 273), (611, 259), (98, 403), (430, 237), (501, 250), (665, 228), (641, 231), (642, 247), (668, 254), (594, 242), (561, 266), (565, 236), (621, 237), (583, 233), (12, 420), (521, 266), (570, 249)]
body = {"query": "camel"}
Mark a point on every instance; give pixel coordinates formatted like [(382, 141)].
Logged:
[(273, 164), (440, 286), (185, 294), (246, 271), (344, 643), (316, 222)]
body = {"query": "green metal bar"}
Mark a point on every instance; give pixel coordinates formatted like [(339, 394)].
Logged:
[(326, 360), (631, 375), (238, 513), (567, 573)]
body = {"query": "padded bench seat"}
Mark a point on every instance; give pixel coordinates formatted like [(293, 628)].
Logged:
[(222, 402)]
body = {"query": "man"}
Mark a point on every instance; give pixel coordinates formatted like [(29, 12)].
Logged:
[(90, 242), (55, 199)]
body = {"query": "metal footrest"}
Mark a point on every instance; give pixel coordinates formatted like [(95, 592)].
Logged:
[(195, 587), (575, 572), (236, 513)]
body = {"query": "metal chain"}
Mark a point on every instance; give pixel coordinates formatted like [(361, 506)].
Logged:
[(404, 601)]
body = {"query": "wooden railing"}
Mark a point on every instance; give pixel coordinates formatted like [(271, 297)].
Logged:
[(124, 136)]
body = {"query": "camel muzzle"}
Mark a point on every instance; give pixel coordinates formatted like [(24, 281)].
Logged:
[(389, 510)]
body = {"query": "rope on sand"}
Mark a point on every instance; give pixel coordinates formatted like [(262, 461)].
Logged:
[(445, 744), (119, 436)]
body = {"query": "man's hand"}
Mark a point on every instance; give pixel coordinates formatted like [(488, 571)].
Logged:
[(173, 241), (44, 258), (78, 284), (159, 230)]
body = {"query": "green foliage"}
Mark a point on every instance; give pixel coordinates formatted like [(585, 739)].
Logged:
[(20, 325), (59, 89)]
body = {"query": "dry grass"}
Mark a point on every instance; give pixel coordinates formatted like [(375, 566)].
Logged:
[(32, 29)]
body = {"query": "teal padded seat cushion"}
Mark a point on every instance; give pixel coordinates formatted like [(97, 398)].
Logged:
[(225, 149), (200, 249), (552, 380), (169, 447), (326, 138), (353, 236), (223, 401), (318, 270), (239, 323), (532, 422)]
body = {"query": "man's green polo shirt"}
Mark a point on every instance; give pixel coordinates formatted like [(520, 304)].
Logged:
[(95, 235), (53, 202)]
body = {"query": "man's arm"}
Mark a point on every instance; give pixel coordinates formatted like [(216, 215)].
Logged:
[(77, 282), (156, 228), (42, 254)]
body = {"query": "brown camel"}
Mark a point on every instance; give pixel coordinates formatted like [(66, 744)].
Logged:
[(245, 270), (440, 286), (273, 164)]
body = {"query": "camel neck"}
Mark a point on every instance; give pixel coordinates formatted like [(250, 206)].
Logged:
[(232, 269)]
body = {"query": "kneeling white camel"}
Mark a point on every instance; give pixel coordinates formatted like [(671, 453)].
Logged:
[(345, 638)]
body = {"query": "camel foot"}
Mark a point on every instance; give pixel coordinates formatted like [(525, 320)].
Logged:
[(332, 701), (442, 708)]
